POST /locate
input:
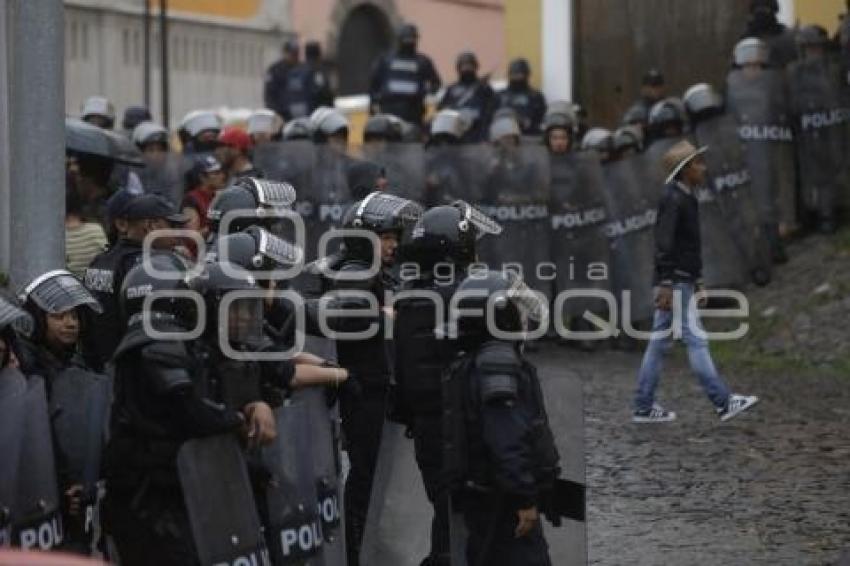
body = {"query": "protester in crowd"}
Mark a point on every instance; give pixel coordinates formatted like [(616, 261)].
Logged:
[(234, 153), (83, 240)]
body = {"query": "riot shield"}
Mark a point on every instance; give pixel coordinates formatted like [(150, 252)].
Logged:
[(449, 174), (220, 503), (759, 103), (514, 189), (330, 197), (327, 472), (580, 250), (734, 212), (564, 398), (398, 525), (166, 176), (818, 112), (80, 405), (630, 233), (294, 530), (36, 515), (13, 388), (404, 166)]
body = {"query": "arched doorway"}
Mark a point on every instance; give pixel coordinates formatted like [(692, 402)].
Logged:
[(365, 35)]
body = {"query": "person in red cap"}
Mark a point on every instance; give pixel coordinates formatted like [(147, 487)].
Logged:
[(234, 153)]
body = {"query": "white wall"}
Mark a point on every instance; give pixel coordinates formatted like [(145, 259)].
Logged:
[(557, 49)]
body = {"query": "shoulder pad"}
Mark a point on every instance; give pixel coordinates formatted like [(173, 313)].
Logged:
[(499, 369), (167, 366)]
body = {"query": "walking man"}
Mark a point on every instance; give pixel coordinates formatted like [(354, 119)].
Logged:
[(678, 268)]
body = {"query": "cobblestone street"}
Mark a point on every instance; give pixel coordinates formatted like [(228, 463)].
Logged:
[(769, 487)]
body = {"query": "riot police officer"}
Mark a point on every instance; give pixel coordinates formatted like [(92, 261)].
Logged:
[(500, 456), (77, 397), (363, 402), (528, 103), (199, 131), (472, 96), (444, 179), (133, 116), (275, 83), (104, 276), (169, 391), (601, 141), (400, 81), (651, 92), (763, 24), (441, 248), (667, 119), (559, 128), (264, 126)]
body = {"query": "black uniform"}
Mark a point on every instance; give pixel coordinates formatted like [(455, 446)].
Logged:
[(363, 402), (528, 103), (501, 453), (104, 278), (160, 402), (400, 82), (420, 359), (78, 535), (477, 101)]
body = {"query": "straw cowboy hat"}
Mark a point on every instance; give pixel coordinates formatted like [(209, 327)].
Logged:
[(678, 156)]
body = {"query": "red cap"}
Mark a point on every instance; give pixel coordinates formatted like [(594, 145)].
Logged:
[(235, 137)]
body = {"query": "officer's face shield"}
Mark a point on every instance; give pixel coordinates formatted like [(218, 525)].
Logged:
[(59, 291), (474, 219), (243, 319)]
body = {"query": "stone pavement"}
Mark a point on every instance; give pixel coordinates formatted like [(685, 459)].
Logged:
[(769, 487)]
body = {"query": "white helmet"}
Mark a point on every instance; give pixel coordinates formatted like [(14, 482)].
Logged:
[(149, 132), (264, 121), (98, 106), (751, 51), (504, 126), (449, 122), (198, 121), (328, 121)]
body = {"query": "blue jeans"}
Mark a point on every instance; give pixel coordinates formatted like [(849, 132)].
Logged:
[(698, 354)]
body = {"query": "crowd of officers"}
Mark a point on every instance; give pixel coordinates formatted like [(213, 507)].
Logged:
[(90, 325)]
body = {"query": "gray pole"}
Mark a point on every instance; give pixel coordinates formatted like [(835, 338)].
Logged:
[(163, 37), (37, 128), (4, 143)]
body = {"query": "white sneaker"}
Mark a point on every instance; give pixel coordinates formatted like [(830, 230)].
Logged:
[(656, 414), (736, 405)]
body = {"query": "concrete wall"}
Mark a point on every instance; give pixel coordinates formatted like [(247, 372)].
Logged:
[(446, 27), (215, 59)]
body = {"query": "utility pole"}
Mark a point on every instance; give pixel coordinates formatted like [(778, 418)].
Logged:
[(146, 27), (36, 111), (163, 35)]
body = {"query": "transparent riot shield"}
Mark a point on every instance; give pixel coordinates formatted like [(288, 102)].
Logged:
[(329, 198), (513, 185), (13, 389), (817, 108), (166, 175), (80, 403), (564, 398), (294, 529), (580, 250), (759, 103), (398, 526), (220, 503), (450, 174), (404, 166), (327, 472), (731, 186), (36, 515), (630, 233)]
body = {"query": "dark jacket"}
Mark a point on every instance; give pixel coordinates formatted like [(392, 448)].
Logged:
[(678, 252), (529, 105), (275, 86), (399, 84), (478, 101)]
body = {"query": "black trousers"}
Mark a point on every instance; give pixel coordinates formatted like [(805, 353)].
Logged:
[(491, 540), (428, 445), (152, 529), (362, 422)]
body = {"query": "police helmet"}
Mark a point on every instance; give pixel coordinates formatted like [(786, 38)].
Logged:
[(255, 249), (148, 133), (702, 98), (627, 138), (266, 200), (598, 139), (99, 106), (298, 129), (383, 127), (751, 51), (812, 36), (198, 121)]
